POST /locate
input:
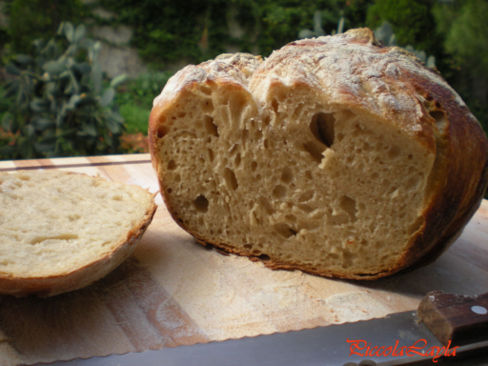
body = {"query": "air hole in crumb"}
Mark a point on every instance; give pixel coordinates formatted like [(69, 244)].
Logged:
[(206, 90), (349, 206), (284, 230), (314, 149), (169, 190), (279, 191), (394, 152), (207, 105), (74, 217), (210, 126), (245, 135), (162, 130), (322, 127), (171, 165), (266, 205), (305, 207), (237, 159), (248, 246), (254, 165), (274, 105), (201, 203), (306, 196), (210, 154), (230, 179), (291, 218), (286, 175), (264, 257), (258, 134)]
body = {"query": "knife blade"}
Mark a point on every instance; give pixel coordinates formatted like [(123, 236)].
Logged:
[(445, 327)]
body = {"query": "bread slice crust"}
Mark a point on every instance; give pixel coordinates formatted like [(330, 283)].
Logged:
[(346, 73), (55, 281)]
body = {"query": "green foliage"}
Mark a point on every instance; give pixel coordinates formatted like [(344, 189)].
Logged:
[(463, 26), (135, 99), (33, 19), (142, 89), (168, 31), (136, 118), (58, 105), (411, 20), (281, 22), (467, 34), (171, 28)]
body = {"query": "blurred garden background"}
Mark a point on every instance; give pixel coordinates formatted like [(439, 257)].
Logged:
[(78, 77)]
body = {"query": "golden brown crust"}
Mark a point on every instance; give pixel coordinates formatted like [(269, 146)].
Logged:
[(388, 83), (80, 277)]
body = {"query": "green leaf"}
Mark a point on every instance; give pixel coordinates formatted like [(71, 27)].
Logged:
[(23, 59), (118, 80), (46, 148), (60, 120), (107, 97), (96, 78), (72, 87), (93, 51), (69, 31), (82, 67), (431, 62), (73, 101), (12, 69), (38, 104), (79, 33), (30, 131), (88, 130), (114, 126), (54, 67), (41, 123), (8, 152), (7, 122)]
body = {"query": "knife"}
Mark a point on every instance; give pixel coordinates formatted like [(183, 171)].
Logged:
[(445, 329)]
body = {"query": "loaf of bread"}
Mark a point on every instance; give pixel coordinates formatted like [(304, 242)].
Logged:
[(61, 231), (336, 156)]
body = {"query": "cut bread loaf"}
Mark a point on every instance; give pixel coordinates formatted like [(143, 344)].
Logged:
[(61, 231), (335, 155)]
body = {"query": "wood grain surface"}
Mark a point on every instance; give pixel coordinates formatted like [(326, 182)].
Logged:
[(173, 291)]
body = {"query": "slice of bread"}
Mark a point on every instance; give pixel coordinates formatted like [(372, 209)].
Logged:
[(61, 231), (335, 155)]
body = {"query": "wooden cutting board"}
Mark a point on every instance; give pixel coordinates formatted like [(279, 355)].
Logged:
[(174, 291)]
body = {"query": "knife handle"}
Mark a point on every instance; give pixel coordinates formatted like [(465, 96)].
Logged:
[(455, 318)]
